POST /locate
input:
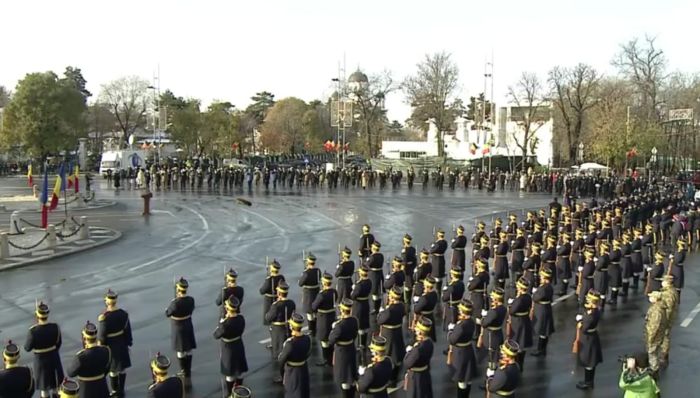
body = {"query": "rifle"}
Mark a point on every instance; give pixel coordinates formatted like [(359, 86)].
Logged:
[(580, 283), (480, 340), (575, 347), (647, 288), (509, 326), (449, 355), (670, 265)]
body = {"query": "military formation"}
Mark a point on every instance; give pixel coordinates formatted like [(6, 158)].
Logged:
[(378, 321)]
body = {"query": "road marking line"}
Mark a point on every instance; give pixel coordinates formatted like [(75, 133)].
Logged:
[(268, 340), (164, 212), (686, 322)]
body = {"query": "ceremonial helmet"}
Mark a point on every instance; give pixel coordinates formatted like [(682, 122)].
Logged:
[(327, 278), (296, 321), (497, 294), (11, 352), (182, 285), (346, 252), (407, 238), (365, 228), (282, 287), (231, 275), (396, 292), (346, 304), (592, 298), (378, 344), (232, 303), (522, 284), (42, 311), (89, 331), (111, 297), (311, 258), (241, 392), (545, 273), (160, 364), (510, 348), (363, 271), (465, 306), (440, 233), (430, 281), (424, 325), (69, 389)]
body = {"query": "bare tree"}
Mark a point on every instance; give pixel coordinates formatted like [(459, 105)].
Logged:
[(644, 65), (573, 93), (432, 93), (369, 102), (527, 95), (127, 98)]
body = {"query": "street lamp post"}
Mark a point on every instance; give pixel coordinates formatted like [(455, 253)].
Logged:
[(580, 153), (156, 103), (654, 151)]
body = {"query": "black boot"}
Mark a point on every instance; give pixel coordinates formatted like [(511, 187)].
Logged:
[(188, 371), (540, 348), (122, 385), (324, 354), (625, 289), (183, 366), (566, 287), (114, 386), (349, 393), (377, 305), (462, 393), (229, 387), (635, 282), (520, 359), (312, 327), (238, 382), (587, 382)]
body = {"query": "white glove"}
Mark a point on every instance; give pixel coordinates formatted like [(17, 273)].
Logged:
[(558, 246), (580, 269), (484, 312), (478, 321), (529, 236), (415, 299), (471, 278), (450, 326), (444, 287), (525, 259), (361, 370), (585, 237), (476, 251), (512, 242), (490, 372), (409, 348), (510, 301), (670, 256), (534, 289), (495, 246), (595, 259), (221, 320), (387, 277), (381, 309), (579, 317)]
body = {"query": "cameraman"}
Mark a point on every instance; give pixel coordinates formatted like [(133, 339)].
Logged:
[(636, 378)]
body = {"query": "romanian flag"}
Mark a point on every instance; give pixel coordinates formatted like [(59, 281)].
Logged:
[(70, 175), (76, 179), (57, 188), (44, 200), (30, 177), (486, 149), (472, 148)]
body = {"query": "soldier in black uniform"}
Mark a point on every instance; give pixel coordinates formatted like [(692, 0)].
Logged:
[(615, 272), (500, 262), (519, 311), (437, 251), (478, 295), (269, 288), (164, 386), (324, 308), (417, 382), (422, 271), (503, 380), (426, 304), (542, 316), (532, 265), (655, 273), (360, 295), (44, 339), (310, 283), (600, 276), (492, 327), (476, 237), (397, 277), (278, 317), (182, 332), (590, 353), (295, 352), (15, 381), (390, 321), (586, 274), (626, 263), (410, 260), (342, 338), (343, 273), (451, 296), (91, 364), (563, 264), (458, 245), (115, 333), (549, 256), (231, 289), (517, 247), (366, 240), (375, 263), (374, 379), (637, 260), (461, 357), (232, 356), (69, 389)]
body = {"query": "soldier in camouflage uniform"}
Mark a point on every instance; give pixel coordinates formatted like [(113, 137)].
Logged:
[(654, 329), (670, 297)]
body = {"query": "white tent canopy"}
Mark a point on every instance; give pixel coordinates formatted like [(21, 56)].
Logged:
[(592, 166)]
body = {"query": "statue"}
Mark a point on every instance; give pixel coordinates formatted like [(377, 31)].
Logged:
[(432, 130)]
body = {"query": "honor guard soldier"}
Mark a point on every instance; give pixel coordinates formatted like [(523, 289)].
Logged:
[(500, 262), (164, 386), (310, 283), (417, 382), (537, 236), (519, 310), (324, 307), (360, 310), (476, 237), (451, 296), (390, 321), (375, 378), (502, 381), (366, 240), (375, 263), (231, 289), (637, 260), (232, 355), (517, 247), (461, 356), (278, 317), (585, 276), (655, 273), (295, 352), (587, 342), (512, 226), (182, 332), (549, 256), (69, 389), (542, 316), (626, 263), (532, 265), (484, 250), (397, 277), (115, 333), (675, 265), (495, 233), (343, 274), (478, 286), (269, 288), (492, 327), (600, 276), (342, 338), (577, 247), (563, 265), (458, 245), (15, 381), (615, 272), (424, 269), (44, 339), (426, 304), (410, 260), (91, 365)]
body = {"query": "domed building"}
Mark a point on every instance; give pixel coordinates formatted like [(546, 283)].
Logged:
[(357, 81)]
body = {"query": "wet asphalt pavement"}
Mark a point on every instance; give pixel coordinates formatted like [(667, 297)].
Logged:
[(200, 234)]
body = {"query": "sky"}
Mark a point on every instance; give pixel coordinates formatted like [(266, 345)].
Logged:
[(229, 50)]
